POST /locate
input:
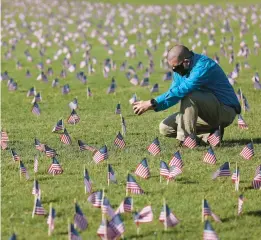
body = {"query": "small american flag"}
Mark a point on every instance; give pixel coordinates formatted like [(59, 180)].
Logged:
[(15, 156), (79, 219), (248, 151), (36, 164), (111, 175), (111, 88), (144, 216), (241, 123), (87, 181), (4, 140), (154, 147), (117, 227), (240, 204), (223, 171), (37, 98), (190, 141), (23, 170), (142, 170), (83, 146), (245, 103), (49, 152), (106, 208), (65, 137), (167, 217), (36, 188), (123, 124), (74, 235), (101, 155), (36, 109), (31, 92), (132, 186), (96, 198), (73, 118), (125, 206), (39, 210), (134, 80), (13, 237), (176, 160), (256, 183), (50, 219), (66, 89), (38, 145), (206, 211), (133, 99), (119, 141), (55, 168), (144, 82), (164, 169), (174, 171), (73, 104), (209, 233), (210, 157), (59, 126), (118, 109), (102, 231), (214, 139), (55, 82), (235, 176), (155, 88), (89, 93)]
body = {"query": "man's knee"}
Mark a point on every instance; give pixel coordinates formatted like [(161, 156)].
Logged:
[(166, 130)]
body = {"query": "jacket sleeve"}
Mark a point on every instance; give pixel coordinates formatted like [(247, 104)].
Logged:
[(197, 78)]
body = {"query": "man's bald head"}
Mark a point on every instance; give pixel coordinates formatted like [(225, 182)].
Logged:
[(178, 53)]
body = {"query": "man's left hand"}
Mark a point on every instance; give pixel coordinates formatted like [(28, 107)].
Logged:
[(141, 107)]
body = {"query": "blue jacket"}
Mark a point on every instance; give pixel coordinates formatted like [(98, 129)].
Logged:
[(205, 75)]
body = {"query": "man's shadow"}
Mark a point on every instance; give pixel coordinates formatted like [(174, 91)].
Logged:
[(243, 141)]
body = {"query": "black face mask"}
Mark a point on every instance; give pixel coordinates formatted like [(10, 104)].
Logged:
[(180, 69)]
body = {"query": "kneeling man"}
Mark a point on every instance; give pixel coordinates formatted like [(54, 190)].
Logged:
[(208, 101)]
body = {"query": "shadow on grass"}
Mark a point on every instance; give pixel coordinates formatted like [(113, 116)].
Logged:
[(141, 236), (62, 233), (244, 141), (223, 220), (54, 200), (256, 213)]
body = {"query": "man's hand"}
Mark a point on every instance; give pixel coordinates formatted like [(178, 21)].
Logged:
[(141, 107)]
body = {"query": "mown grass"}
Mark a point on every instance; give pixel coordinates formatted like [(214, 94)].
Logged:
[(98, 126)]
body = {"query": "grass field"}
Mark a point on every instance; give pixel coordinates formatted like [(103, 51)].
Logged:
[(99, 125)]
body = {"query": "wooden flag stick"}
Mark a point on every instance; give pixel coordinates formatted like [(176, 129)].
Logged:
[(35, 198), (74, 200), (108, 174), (20, 172), (87, 92), (165, 215), (220, 135), (138, 229), (103, 216), (69, 229), (242, 100), (236, 182), (126, 186), (85, 190), (202, 211), (49, 224)]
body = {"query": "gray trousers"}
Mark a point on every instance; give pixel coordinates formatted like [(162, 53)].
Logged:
[(200, 113)]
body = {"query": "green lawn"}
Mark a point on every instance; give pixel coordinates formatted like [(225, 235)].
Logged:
[(99, 125)]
